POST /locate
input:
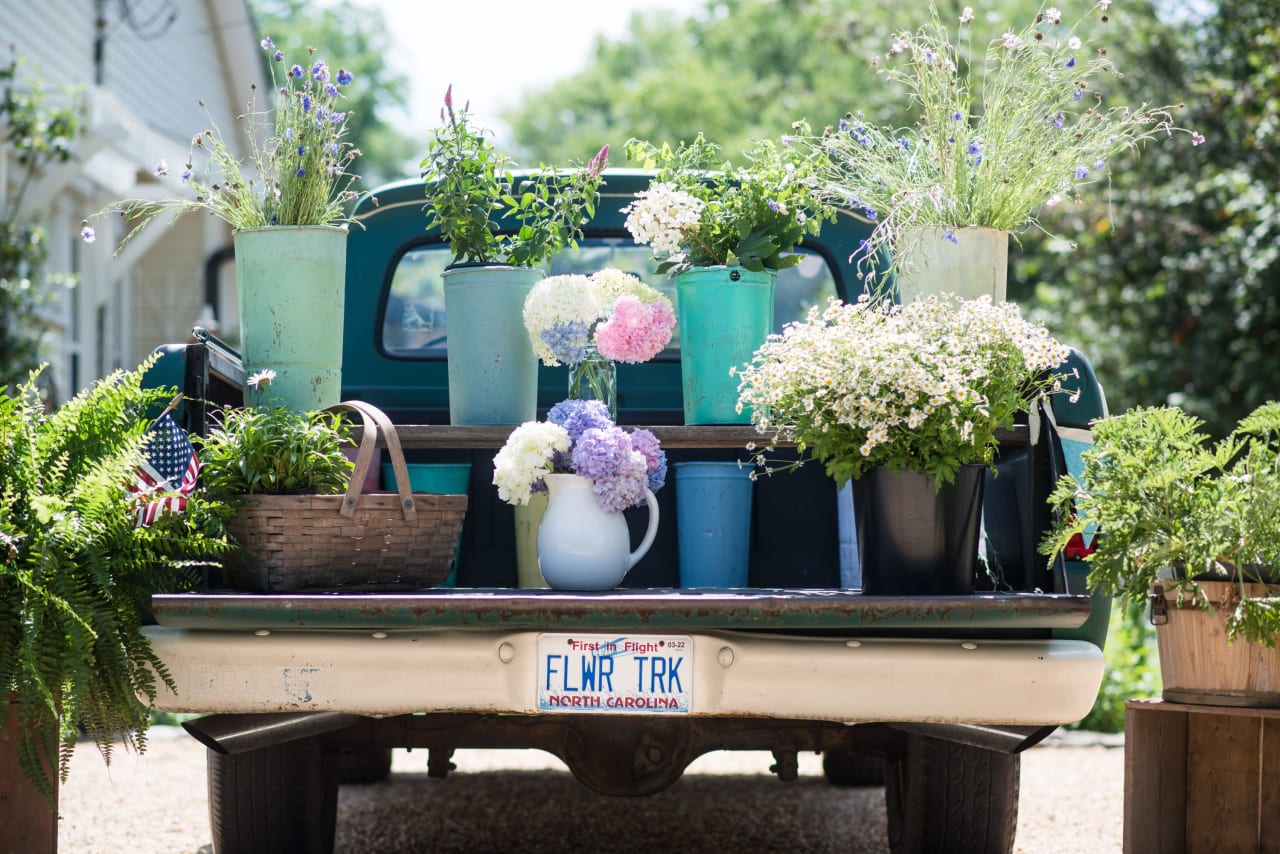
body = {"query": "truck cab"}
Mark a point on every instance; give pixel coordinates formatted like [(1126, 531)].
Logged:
[(933, 697)]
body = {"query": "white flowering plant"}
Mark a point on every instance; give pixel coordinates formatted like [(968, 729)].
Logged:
[(998, 137), (578, 437), (299, 165), (701, 211), (470, 184), (610, 311), (923, 386)]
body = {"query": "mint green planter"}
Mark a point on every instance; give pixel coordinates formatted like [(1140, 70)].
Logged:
[(493, 373), (725, 313), (291, 280)]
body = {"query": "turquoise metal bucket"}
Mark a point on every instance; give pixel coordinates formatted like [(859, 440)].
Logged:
[(493, 372), (725, 313), (290, 282), (713, 523), (440, 478)]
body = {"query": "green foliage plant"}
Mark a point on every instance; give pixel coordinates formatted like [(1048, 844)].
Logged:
[(997, 139), (273, 450), (923, 386), (77, 575), (33, 137), (1171, 505), (470, 185), (299, 158), (701, 211)]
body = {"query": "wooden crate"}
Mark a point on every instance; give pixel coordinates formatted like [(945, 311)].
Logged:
[(1201, 778)]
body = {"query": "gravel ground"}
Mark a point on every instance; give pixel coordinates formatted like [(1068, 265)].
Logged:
[(1072, 803)]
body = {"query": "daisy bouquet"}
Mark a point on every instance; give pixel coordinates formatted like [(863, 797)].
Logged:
[(578, 437)]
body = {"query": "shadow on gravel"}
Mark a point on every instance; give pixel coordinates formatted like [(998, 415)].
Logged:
[(549, 811)]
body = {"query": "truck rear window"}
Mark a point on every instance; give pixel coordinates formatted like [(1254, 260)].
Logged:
[(414, 323)]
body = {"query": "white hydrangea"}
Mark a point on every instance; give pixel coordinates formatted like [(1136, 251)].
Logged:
[(526, 458), (660, 215)]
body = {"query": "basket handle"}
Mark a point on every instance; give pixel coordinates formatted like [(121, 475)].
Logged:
[(374, 421)]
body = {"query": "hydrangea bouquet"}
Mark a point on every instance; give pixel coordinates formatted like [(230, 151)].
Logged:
[(923, 386), (578, 437), (701, 211), (998, 136), (612, 312), (300, 159)]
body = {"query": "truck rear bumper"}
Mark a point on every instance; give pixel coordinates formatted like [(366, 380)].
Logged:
[(735, 674)]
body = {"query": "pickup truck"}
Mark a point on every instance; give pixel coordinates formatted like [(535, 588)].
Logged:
[(932, 697)]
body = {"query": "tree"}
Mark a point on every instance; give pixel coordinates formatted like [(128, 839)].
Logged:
[(355, 38), (32, 136), (1175, 288), (742, 69)]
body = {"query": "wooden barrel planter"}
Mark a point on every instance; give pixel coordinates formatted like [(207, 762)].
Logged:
[(28, 820), (1198, 664)]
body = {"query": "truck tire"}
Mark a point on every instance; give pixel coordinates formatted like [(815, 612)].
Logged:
[(278, 798), (941, 796), (364, 765), (852, 768)]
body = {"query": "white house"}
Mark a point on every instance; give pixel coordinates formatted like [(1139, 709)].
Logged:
[(139, 70)]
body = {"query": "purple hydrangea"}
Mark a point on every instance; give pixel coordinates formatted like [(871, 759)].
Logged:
[(654, 457), (578, 416)]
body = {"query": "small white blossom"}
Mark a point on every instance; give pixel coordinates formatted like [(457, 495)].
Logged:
[(261, 378), (660, 216), (1053, 15), (1074, 43), (966, 15), (1010, 41)]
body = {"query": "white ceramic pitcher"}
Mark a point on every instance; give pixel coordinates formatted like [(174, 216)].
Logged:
[(582, 546)]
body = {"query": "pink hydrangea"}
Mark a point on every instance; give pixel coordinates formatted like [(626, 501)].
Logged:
[(636, 331)]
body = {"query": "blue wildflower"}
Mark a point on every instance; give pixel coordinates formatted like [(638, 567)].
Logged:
[(301, 151), (844, 125), (331, 90), (186, 175), (1071, 63), (344, 77), (1059, 119), (950, 235), (338, 118), (1082, 172), (1077, 95), (773, 206), (267, 44), (1100, 165), (975, 152), (301, 173), (320, 71), (870, 213), (306, 103), (296, 71), (278, 56), (905, 143), (957, 116), (332, 148)]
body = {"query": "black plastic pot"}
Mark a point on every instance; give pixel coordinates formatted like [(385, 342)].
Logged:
[(914, 540)]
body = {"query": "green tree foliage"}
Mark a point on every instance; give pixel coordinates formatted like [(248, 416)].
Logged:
[(740, 69), (33, 136), (1174, 290), (353, 37)]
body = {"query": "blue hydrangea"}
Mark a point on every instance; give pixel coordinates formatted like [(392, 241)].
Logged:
[(568, 341), (578, 416)]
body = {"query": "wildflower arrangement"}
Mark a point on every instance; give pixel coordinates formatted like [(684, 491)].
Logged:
[(300, 159), (701, 211), (922, 386), (611, 312), (469, 184), (998, 137), (578, 437), (272, 450), (1163, 496)]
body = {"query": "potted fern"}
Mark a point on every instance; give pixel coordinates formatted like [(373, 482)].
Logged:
[(1190, 525), (77, 571)]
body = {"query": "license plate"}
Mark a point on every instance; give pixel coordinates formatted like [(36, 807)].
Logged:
[(615, 674)]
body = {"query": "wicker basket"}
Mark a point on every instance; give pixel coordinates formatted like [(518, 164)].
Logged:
[(348, 542)]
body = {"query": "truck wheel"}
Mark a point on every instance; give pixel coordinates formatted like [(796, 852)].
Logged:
[(365, 765), (852, 768), (941, 796), (278, 798)]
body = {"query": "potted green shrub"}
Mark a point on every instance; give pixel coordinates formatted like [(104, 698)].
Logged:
[(1192, 526), (907, 401), (77, 572), (1003, 131), (723, 232), (289, 215), (501, 227)]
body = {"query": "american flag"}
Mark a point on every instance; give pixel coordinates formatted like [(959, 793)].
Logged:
[(168, 471)]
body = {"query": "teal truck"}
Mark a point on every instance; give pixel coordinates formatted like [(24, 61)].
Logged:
[(933, 697)]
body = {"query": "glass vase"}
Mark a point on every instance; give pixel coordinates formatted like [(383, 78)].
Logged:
[(595, 378)]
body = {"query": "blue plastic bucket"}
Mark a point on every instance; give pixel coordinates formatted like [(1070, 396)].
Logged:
[(713, 519), (441, 478)]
